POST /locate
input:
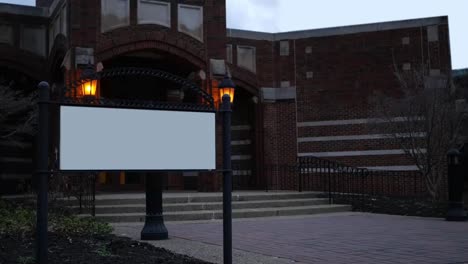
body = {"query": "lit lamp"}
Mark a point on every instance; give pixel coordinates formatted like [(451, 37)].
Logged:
[(88, 87), (226, 86)]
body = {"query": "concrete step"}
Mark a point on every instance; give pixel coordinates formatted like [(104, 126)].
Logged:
[(172, 198), (236, 213), (177, 207)]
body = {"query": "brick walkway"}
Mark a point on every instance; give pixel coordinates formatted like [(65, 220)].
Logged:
[(355, 238), (334, 238)]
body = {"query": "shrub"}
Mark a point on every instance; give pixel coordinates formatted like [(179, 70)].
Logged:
[(16, 219), (20, 219), (72, 225)]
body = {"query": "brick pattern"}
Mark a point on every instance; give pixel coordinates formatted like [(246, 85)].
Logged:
[(347, 70), (340, 239), (280, 133)]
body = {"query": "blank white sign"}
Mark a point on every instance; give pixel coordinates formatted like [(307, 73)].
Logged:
[(97, 138)]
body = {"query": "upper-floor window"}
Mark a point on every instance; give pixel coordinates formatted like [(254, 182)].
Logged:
[(154, 12), (284, 48), (114, 14), (63, 20), (229, 53), (246, 58), (33, 38), (6, 34), (191, 21)]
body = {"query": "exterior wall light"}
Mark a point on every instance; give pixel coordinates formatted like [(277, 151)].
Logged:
[(89, 85)]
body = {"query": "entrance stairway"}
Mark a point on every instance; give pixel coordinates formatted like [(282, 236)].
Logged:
[(208, 206)]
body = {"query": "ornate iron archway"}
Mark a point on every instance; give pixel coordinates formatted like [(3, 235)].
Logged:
[(69, 94)]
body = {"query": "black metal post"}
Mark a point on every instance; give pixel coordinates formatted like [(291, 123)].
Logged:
[(227, 180), (42, 172), (154, 228), (455, 187), (93, 206)]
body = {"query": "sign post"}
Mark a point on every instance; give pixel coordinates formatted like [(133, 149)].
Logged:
[(98, 134), (42, 173)]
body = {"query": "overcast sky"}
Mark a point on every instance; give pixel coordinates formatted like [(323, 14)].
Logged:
[(289, 15)]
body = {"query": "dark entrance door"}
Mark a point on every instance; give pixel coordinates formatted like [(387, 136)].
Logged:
[(243, 141)]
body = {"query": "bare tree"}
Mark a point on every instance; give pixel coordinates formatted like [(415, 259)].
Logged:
[(17, 114), (422, 119)]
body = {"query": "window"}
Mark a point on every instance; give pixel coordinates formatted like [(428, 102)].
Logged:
[(63, 20), (33, 39), (6, 34), (308, 50), (191, 21), (284, 48), (154, 12), (432, 33), (114, 14), (246, 58), (309, 75), (285, 84), (229, 53)]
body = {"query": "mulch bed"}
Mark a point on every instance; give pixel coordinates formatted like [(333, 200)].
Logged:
[(88, 250)]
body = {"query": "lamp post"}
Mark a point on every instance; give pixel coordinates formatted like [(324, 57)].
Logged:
[(42, 172), (226, 88), (154, 228), (455, 187)]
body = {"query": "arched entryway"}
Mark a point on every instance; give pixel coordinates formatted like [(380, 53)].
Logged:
[(149, 89), (244, 142)]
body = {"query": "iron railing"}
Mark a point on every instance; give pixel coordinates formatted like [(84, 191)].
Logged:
[(75, 189), (399, 192)]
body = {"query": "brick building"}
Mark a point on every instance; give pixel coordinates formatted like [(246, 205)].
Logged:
[(303, 93)]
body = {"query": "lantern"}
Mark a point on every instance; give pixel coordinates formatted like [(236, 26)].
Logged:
[(227, 86)]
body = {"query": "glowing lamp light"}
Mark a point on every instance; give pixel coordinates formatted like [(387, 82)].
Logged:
[(227, 86), (89, 84), (88, 88)]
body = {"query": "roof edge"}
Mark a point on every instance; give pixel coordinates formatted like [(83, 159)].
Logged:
[(344, 30), (24, 10)]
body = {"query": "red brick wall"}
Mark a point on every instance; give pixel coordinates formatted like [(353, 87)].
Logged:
[(279, 132), (347, 70)]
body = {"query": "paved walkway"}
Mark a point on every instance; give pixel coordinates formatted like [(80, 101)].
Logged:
[(333, 238)]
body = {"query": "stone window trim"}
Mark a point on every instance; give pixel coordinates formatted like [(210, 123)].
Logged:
[(179, 7), (125, 24), (149, 21), (254, 59)]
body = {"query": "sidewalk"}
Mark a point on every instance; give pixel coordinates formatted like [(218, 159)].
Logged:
[(328, 238)]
